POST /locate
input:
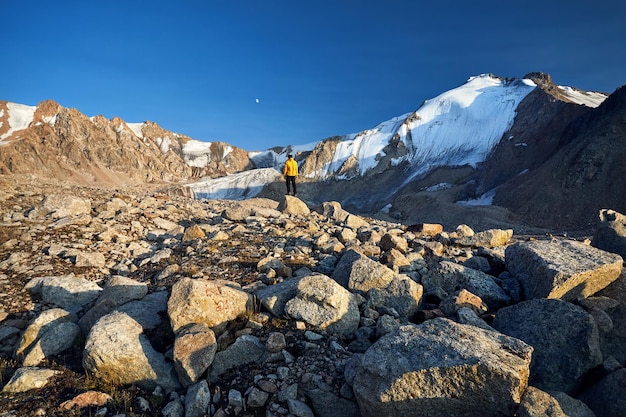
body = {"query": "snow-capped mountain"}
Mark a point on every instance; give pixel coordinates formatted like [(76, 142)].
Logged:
[(460, 127)]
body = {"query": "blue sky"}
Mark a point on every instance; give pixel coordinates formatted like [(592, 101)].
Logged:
[(318, 68)]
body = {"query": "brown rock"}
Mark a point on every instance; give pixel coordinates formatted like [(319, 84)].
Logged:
[(425, 229), (86, 399), (193, 232)]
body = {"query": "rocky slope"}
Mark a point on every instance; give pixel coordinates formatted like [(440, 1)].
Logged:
[(138, 303), (51, 141), (586, 173)]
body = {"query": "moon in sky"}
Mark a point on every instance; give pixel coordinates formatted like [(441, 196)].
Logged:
[(257, 100)]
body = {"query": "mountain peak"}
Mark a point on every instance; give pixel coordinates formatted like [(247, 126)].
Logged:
[(540, 78)]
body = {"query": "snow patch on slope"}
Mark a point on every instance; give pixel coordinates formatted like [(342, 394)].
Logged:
[(20, 117), (246, 184), (198, 154), (461, 126), (136, 129), (164, 143), (485, 199), (367, 147), (585, 98), (271, 158)]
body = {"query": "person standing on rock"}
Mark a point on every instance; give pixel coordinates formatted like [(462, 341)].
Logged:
[(290, 172)]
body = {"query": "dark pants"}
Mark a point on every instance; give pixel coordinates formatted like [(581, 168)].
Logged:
[(291, 182)]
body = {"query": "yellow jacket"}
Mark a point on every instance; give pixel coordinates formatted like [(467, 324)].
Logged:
[(291, 168)]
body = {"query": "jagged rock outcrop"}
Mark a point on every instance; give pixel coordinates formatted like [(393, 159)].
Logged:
[(551, 152), (541, 119)]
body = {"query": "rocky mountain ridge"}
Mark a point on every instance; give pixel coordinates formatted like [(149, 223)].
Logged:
[(274, 308), (51, 141)]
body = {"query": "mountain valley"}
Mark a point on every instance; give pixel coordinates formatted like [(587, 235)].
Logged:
[(463, 259)]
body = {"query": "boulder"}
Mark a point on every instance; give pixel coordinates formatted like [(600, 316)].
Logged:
[(89, 260), (194, 350), (237, 214), (299, 408), (564, 336), (459, 299), (466, 315), (538, 403), (45, 321), (174, 408), (451, 277), (355, 222), (193, 232), (606, 398), (610, 233), (275, 297), (426, 229), (332, 210), (293, 206), (197, 400), (28, 378), (488, 238), (57, 338), (87, 399), (402, 294), (120, 290), (395, 260), (62, 205), (275, 342), (165, 224), (442, 368), (563, 269), (613, 341), (572, 407), (358, 273), (323, 303), (66, 291), (390, 241), (464, 230), (245, 350), (147, 311), (326, 404), (116, 352), (214, 303)]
